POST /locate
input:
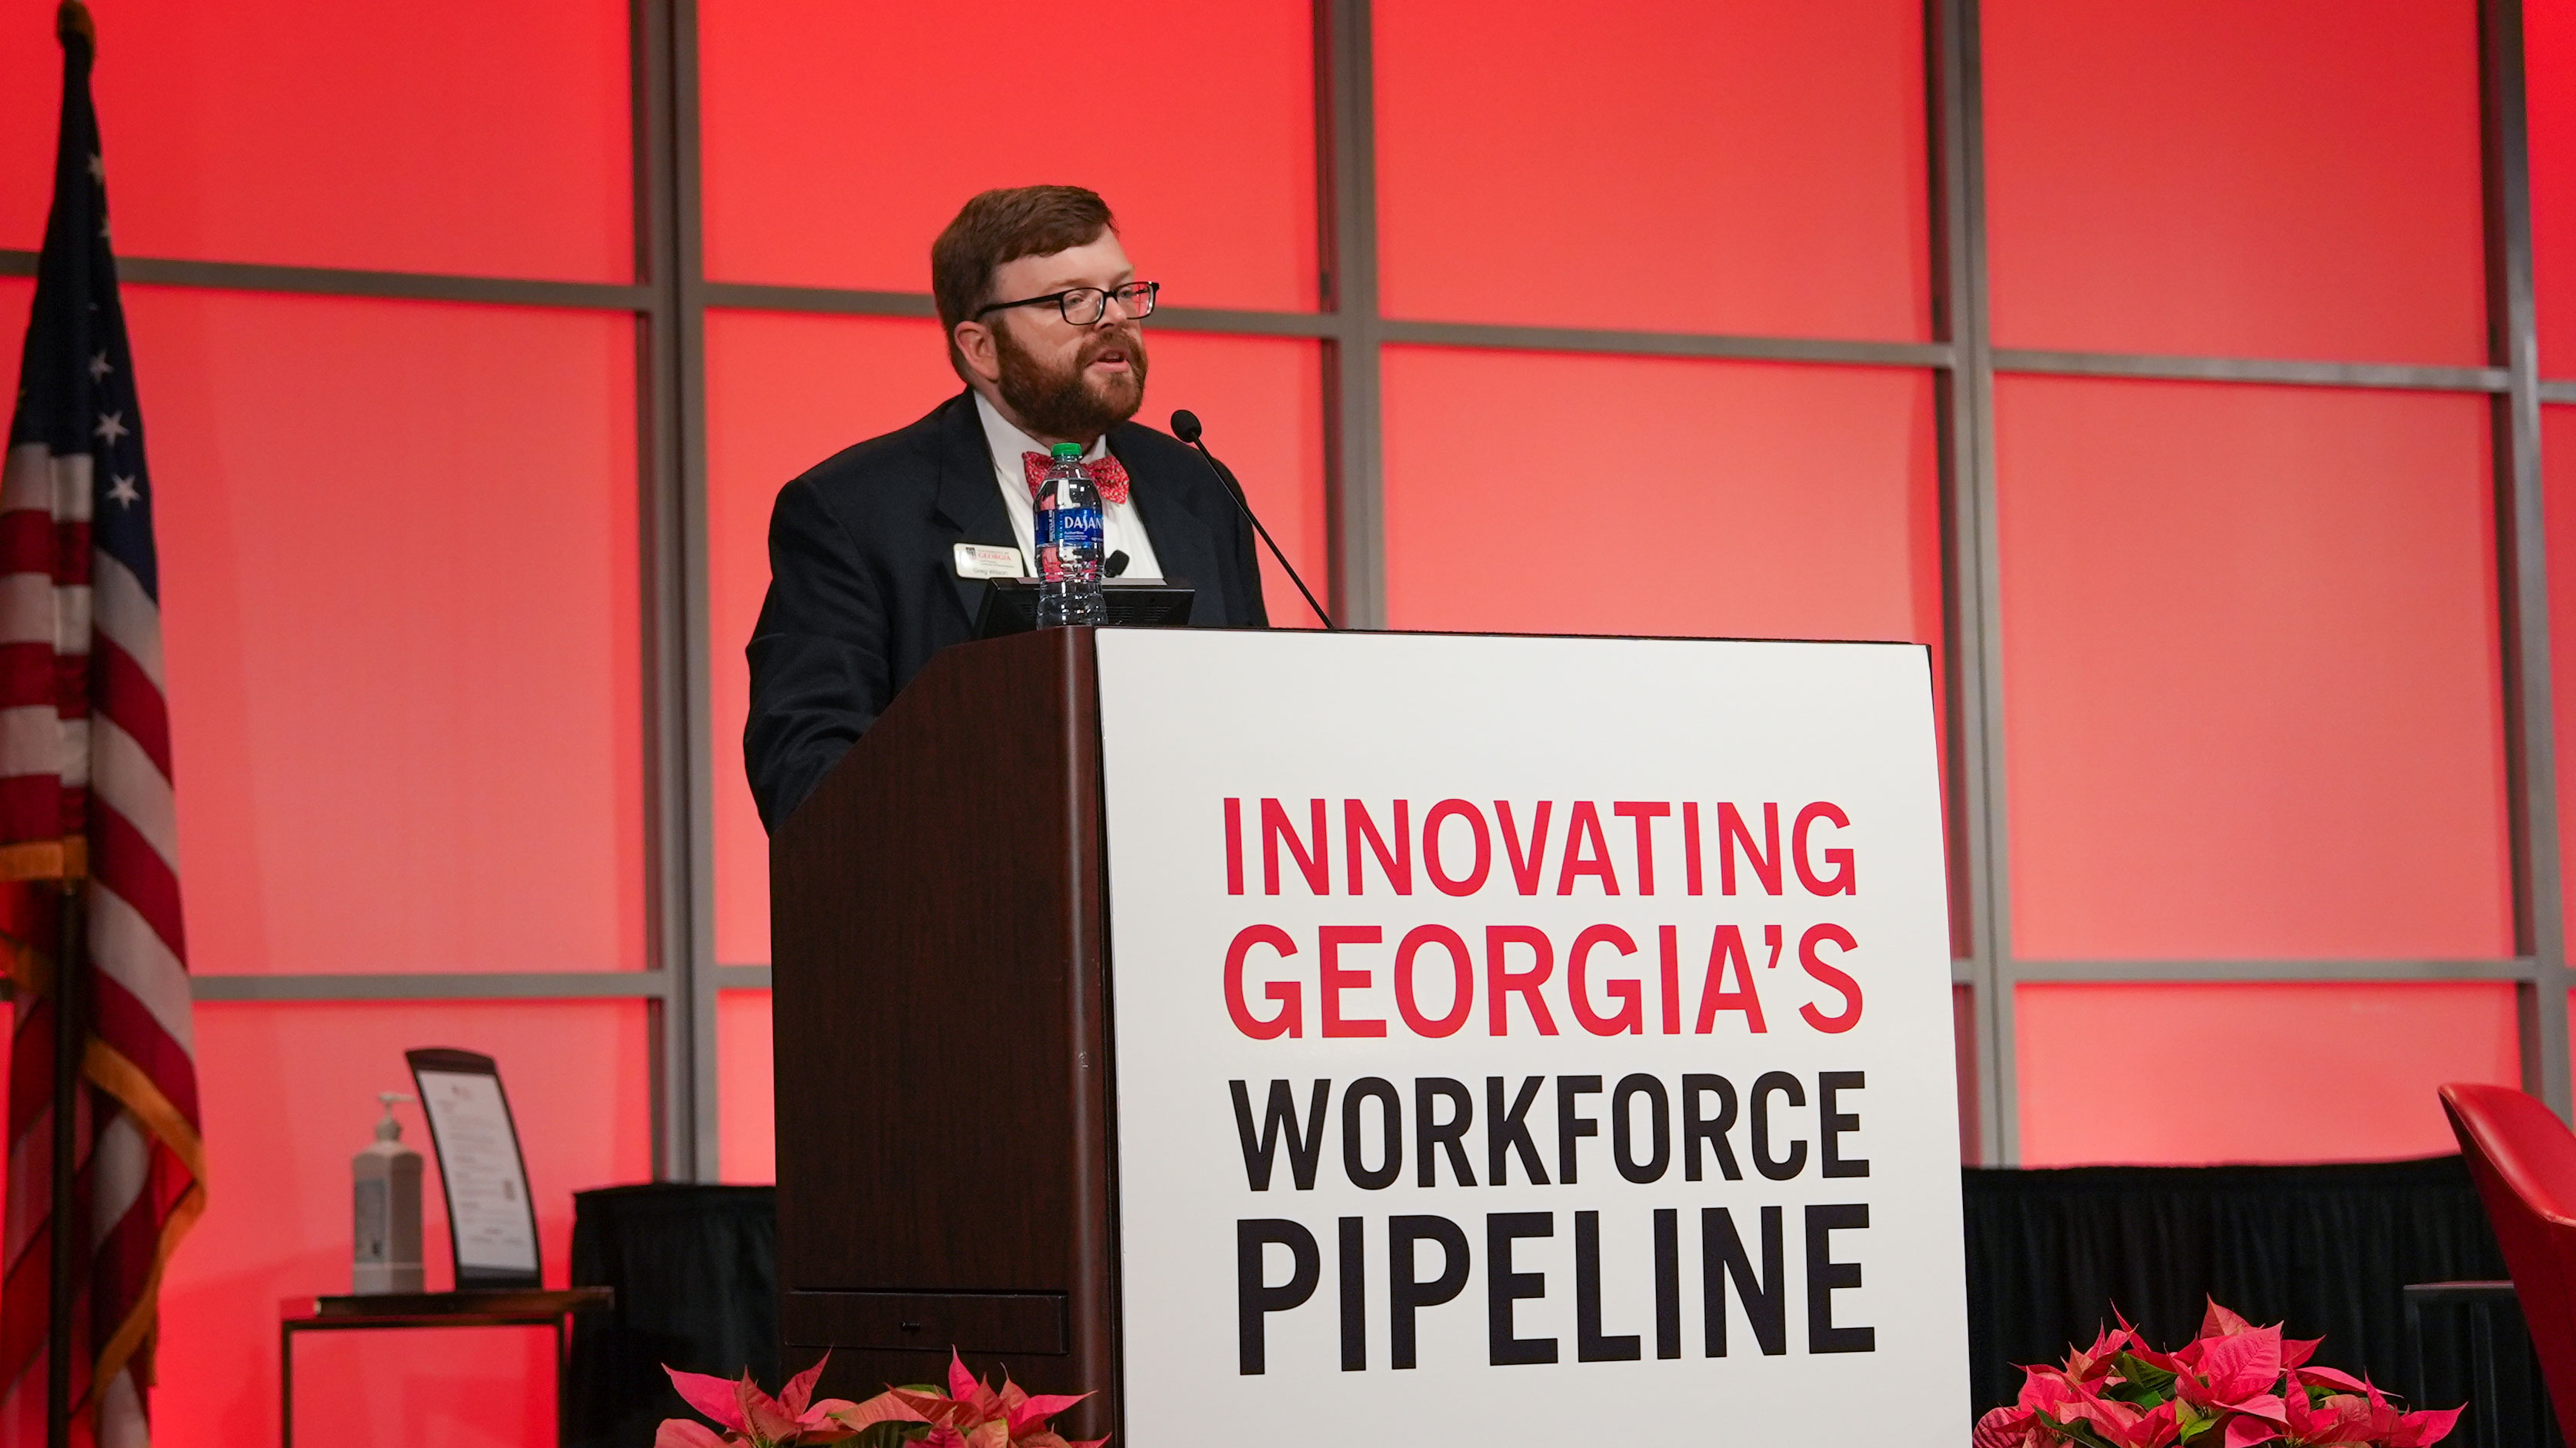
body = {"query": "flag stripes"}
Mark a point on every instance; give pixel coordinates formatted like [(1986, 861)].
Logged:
[(85, 789)]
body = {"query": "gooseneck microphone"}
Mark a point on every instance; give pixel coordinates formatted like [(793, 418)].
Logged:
[(1185, 426)]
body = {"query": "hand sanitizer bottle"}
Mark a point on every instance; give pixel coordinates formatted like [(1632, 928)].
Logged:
[(387, 1201)]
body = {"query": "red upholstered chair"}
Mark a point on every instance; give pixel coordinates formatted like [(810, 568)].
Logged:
[(2524, 1160)]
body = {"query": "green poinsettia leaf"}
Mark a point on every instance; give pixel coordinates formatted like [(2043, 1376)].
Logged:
[(2142, 1374), (2133, 1395)]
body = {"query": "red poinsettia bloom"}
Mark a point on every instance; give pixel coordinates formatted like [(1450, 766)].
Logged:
[(2095, 1361), (973, 1415), (2010, 1428), (2364, 1416), (2236, 1385), (753, 1419), (2052, 1399), (2236, 1376)]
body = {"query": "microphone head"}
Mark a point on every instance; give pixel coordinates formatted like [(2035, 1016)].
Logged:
[(1185, 425), (1116, 565)]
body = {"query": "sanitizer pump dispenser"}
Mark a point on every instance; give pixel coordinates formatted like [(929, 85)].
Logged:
[(387, 1201)]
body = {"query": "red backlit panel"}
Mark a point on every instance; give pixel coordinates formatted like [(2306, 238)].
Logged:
[(2250, 672), (1703, 498), (2270, 1073), (2558, 478), (1660, 165), (398, 565), (2296, 179), (289, 1097), (479, 136), (2549, 45), (838, 139), (784, 392), (747, 1125)]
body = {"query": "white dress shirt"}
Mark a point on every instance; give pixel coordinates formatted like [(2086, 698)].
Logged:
[(1121, 530)]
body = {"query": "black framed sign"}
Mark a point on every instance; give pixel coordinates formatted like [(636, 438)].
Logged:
[(491, 1223)]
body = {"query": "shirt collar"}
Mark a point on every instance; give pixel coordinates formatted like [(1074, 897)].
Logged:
[(1008, 442)]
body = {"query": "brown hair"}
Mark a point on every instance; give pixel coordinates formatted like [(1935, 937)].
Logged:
[(1001, 226)]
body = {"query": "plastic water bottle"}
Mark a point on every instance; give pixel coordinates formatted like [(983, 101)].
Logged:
[(1068, 543)]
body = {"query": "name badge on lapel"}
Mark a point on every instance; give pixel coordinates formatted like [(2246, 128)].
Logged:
[(983, 560)]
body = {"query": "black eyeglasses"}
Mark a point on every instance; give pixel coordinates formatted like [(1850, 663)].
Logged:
[(1083, 306)]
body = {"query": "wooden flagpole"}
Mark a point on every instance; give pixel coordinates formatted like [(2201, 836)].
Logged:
[(69, 1235)]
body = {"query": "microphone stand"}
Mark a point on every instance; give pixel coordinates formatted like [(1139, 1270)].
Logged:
[(1185, 426)]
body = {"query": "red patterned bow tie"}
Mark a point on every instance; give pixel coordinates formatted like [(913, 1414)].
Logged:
[(1106, 474)]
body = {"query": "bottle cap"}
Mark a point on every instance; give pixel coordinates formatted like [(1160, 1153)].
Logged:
[(1067, 450), (390, 1129)]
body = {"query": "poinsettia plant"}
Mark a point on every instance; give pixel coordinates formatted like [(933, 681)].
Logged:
[(971, 1414), (2234, 1386)]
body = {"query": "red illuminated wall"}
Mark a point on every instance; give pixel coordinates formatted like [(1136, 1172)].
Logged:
[(343, 136), (2208, 592), (2292, 179), (2250, 676), (820, 169), (379, 612), (1660, 165), (400, 579), (2252, 679), (2269, 1072)]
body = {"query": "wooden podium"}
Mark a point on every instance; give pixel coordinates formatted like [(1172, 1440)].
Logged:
[(1355, 885), (941, 978)]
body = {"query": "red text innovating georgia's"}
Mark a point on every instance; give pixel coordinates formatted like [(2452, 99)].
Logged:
[(1530, 977)]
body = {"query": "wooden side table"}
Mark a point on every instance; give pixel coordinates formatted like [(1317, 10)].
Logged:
[(425, 1309)]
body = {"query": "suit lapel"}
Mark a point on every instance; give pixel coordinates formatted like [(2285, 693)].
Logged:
[(969, 502), (1184, 542)]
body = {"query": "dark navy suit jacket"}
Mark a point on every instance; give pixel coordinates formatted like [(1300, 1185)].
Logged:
[(864, 589)]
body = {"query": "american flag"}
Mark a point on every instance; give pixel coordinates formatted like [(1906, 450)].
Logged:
[(85, 789)]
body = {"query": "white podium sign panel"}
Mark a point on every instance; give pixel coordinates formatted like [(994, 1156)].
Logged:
[(1530, 1039)]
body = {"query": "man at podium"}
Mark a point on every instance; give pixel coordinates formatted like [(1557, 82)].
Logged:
[(879, 553)]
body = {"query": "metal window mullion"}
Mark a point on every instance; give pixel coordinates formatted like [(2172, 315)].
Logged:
[(232, 987), (1972, 610), (696, 631), (671, 457), (2277, 371), (1346, 185), (2522, 552), (331, 281), (2212, 970), (648, 40)]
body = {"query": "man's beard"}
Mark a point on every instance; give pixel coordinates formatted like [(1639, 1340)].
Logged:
[(1068, 404)]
